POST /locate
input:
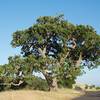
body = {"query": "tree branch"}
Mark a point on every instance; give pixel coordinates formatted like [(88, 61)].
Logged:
[(42, 52)]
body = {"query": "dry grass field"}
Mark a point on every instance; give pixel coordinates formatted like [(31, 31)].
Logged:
[(63, 94)]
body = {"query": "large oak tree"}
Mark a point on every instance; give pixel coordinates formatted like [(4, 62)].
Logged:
[(58, 48)]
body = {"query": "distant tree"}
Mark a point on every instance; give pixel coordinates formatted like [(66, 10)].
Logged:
[(56, 48), (86, 86)]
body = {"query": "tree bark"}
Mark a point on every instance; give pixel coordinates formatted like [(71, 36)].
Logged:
[(42, 52), (79, 60), (54, 86), (51, 81), (62, 60)]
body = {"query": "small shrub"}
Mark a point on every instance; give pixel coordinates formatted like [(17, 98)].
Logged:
[(97, 88), (1, 84), (36, 83), (78, 88), (86, 86), (92, 86)]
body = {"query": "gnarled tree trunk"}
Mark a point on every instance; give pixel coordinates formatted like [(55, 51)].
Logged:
[(51, 81), (54, 85)]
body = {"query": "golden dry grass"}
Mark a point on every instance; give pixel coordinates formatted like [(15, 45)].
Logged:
[(62, 94), (38, 95)]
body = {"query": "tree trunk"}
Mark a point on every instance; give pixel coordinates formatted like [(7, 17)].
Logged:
[(51, 81), (54, 85), (79, 60)]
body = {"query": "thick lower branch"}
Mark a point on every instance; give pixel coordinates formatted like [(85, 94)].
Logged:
[(79, 60)]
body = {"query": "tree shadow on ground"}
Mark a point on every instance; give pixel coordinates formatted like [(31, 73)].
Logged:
[(91, 95)]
